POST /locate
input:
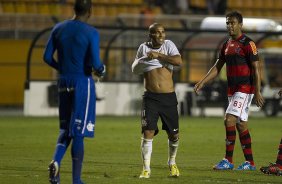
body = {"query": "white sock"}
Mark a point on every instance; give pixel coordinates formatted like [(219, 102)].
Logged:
[(146, 152), (172, 151)]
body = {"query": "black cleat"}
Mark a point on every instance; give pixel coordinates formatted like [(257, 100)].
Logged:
[(272, 169), (54, 172)]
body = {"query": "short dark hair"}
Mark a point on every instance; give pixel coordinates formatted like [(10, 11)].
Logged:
[(235, 14), (152, 27), (81, 7)]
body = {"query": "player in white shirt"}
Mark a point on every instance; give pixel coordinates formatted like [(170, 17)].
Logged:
[(156, 59)]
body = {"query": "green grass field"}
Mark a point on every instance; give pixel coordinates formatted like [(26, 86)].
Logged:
[(27, 146)]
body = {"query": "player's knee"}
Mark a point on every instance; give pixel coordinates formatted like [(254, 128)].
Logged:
[(230, 120), (174, 137), (242, 126), (63, 137), (148, 134)]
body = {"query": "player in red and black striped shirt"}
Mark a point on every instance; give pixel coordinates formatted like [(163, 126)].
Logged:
[(275, 168), (240, 55)]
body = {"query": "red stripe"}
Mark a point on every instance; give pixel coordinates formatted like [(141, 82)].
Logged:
[(247, 151), (280, 146), (230, 148), (229, 159), (231, 128), (279, 157), (244, 109), (241, 88), (244, 133), (238, 70), (247, 141), (231, 138)]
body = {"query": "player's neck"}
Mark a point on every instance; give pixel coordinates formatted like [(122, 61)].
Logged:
[(235, 37), (82, 18), (153, 46)]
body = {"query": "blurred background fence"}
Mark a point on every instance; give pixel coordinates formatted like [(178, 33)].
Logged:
[(25, 26)]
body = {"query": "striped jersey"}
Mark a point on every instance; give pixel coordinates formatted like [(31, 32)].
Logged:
[(238, 55)]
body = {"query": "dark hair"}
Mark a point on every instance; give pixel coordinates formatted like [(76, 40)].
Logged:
[(81, 7), (152, 27), (235, 14)]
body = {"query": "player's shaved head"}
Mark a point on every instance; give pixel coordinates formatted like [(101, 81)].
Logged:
[(81, 7), (154, 26)]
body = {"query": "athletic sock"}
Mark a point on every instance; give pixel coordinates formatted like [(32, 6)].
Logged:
[(246, 143), (61, 147), (77, 153), (230, 142), (279, 156), (172, 151), (146, 152)]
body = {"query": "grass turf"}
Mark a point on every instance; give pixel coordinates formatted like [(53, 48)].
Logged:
[(27, 145)]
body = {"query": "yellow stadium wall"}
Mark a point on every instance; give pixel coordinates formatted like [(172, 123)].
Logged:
[(12, 71)]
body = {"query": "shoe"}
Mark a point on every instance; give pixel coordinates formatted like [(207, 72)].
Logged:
[(224, 164), (145, 174), (271, 169), (246, 166), (173, 171), (54, 172)]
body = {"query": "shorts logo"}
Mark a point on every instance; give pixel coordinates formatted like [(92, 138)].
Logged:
[(78, 124), (247, 110), (78, 121), (90, 127), (144, 122), (234, 110)]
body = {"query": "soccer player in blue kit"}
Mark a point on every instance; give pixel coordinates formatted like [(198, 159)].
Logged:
[(77, 46)]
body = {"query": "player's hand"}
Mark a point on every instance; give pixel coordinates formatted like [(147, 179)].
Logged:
[(198, 87), (99, 75), (259, 99), (152, 55)]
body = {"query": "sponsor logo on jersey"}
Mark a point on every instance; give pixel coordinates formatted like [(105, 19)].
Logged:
[(238, 50)]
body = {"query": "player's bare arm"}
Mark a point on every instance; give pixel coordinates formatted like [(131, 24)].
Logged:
[(213, 72), (258, 97), (174, 60)]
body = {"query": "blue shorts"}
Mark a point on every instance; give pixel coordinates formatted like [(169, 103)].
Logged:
[(77, 105)]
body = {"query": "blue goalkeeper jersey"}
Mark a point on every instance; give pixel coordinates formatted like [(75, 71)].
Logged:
[(77, 46)]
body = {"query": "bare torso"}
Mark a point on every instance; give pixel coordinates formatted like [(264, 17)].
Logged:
[(159, 81)]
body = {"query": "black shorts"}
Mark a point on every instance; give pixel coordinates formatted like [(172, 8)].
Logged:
[(163, 105)]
